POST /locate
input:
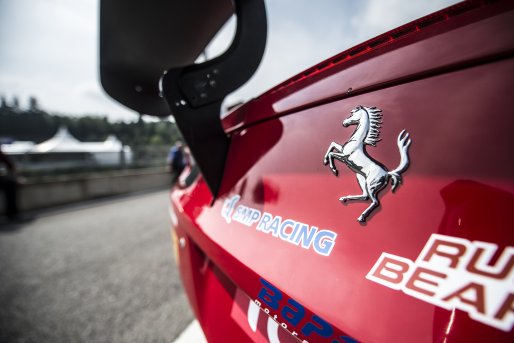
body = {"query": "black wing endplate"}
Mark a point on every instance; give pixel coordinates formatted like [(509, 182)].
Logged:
[(139, 41)]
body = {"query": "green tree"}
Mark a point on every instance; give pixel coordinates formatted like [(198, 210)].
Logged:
[(33, 104)]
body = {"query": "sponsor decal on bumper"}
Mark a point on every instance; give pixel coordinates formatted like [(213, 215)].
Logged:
[(292, 316), (454, 273)]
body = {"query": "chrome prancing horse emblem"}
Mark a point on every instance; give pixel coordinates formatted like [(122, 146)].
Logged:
[(371, 174)]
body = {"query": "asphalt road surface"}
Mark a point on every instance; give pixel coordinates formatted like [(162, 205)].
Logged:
[(96, 272)]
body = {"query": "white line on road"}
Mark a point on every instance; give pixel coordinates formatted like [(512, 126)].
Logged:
[(192, 334)]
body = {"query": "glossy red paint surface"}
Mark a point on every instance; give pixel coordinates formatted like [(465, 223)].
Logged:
[(459, 184), (428, 47)]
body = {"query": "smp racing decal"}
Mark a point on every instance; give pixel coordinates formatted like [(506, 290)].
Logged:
[(289, 230), (292, 316), (456, 273)]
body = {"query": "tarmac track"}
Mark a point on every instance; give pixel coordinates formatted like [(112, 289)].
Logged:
[(102, 271)]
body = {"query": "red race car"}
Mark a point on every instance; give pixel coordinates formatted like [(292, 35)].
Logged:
[(366, 199)]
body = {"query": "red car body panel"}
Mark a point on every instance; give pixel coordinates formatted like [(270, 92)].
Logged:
[(448, 84)]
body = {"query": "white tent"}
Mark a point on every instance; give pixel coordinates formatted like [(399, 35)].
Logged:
[(19, 147), (109, 152), (63, 141)]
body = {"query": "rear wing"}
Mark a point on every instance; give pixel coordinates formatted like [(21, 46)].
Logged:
[(141, 42)]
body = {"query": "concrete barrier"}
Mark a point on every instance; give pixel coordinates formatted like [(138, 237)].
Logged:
[(68, 189)]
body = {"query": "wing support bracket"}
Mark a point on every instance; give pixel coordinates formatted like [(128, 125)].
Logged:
[(195, 92)]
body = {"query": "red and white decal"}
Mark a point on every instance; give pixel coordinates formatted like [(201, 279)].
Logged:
[(456, 273), (258, 324)]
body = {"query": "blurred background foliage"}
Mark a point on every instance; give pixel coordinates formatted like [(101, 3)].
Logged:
[(36, 125), (149, 141)]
